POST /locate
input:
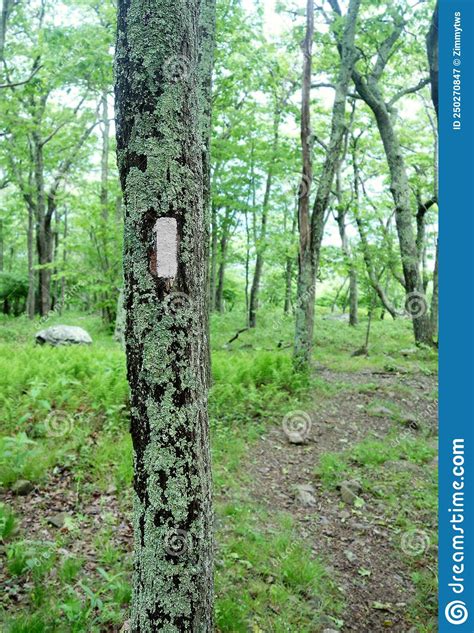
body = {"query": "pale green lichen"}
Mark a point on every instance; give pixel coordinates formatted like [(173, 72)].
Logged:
[(166, 350)]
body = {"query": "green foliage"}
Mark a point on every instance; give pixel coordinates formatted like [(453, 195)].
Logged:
[(7, 522)]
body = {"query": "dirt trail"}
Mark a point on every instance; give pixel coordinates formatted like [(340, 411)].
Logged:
[(361, 547)]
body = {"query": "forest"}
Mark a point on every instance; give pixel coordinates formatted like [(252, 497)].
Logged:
[(218, 316)]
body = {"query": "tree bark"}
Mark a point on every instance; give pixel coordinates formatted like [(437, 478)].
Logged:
[(435, 297), (219, 305), (369, 90), (30, 300), (306, 272), (341, 215), (260, 246), (312, 230), (214, 253), (432, 51), (290, 262), (160, 157)]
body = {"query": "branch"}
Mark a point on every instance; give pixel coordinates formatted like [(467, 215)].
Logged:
[(385, 51), (407, 91), (335, 6), (21, 83), (64, 168), (323, 85)]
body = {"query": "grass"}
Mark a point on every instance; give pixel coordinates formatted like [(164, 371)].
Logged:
[(398, 482), (66, 410)]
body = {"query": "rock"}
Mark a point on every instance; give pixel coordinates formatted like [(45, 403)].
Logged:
[(353, 485), (294, 437), (350, 491), (347, 495), (126, 627), (330, 631), (336, 317), (362, 351), (400, 466), (408, 352), (57, 520), (63, 335), (22, 487), (306, 494), (351, 557), (382, 411)]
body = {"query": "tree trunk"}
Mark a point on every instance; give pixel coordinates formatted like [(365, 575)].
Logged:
[(62, 300), (214, 247), (310, 251), (7, 6), (416, 304), (30, 300), (306, 273), (221, 272), (435, 297), (2, 246), (107, 315), (290, 262), (260, 246), (350, 266), (371, 274), (160, 157), (119, 330), (432, 51), (353, 296)]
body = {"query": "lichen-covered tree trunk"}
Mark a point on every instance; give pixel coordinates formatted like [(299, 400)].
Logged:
[(161, 157)]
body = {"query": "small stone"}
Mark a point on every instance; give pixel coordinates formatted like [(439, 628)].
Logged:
[(126, 627), (348, 496), (381, 411), (401, 466), (408, 352), (353, 485), (351, 557), (294, 437), (330, 631), (306, 495), (57, 520), (22, 487)]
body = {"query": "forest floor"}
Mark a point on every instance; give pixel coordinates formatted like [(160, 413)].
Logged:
[(337, 533)]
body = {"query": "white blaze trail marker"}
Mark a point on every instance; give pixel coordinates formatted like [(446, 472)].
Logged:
[(166, 230)]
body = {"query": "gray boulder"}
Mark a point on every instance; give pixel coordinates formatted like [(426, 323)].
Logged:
[(63, 335)]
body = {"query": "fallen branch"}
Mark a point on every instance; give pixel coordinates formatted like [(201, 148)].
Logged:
[(236, 335)]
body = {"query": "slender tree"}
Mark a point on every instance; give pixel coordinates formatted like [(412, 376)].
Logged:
[(369, 87), (312, 226), (161, 157)]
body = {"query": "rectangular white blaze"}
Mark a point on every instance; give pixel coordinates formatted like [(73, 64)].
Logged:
[(166, 230)]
